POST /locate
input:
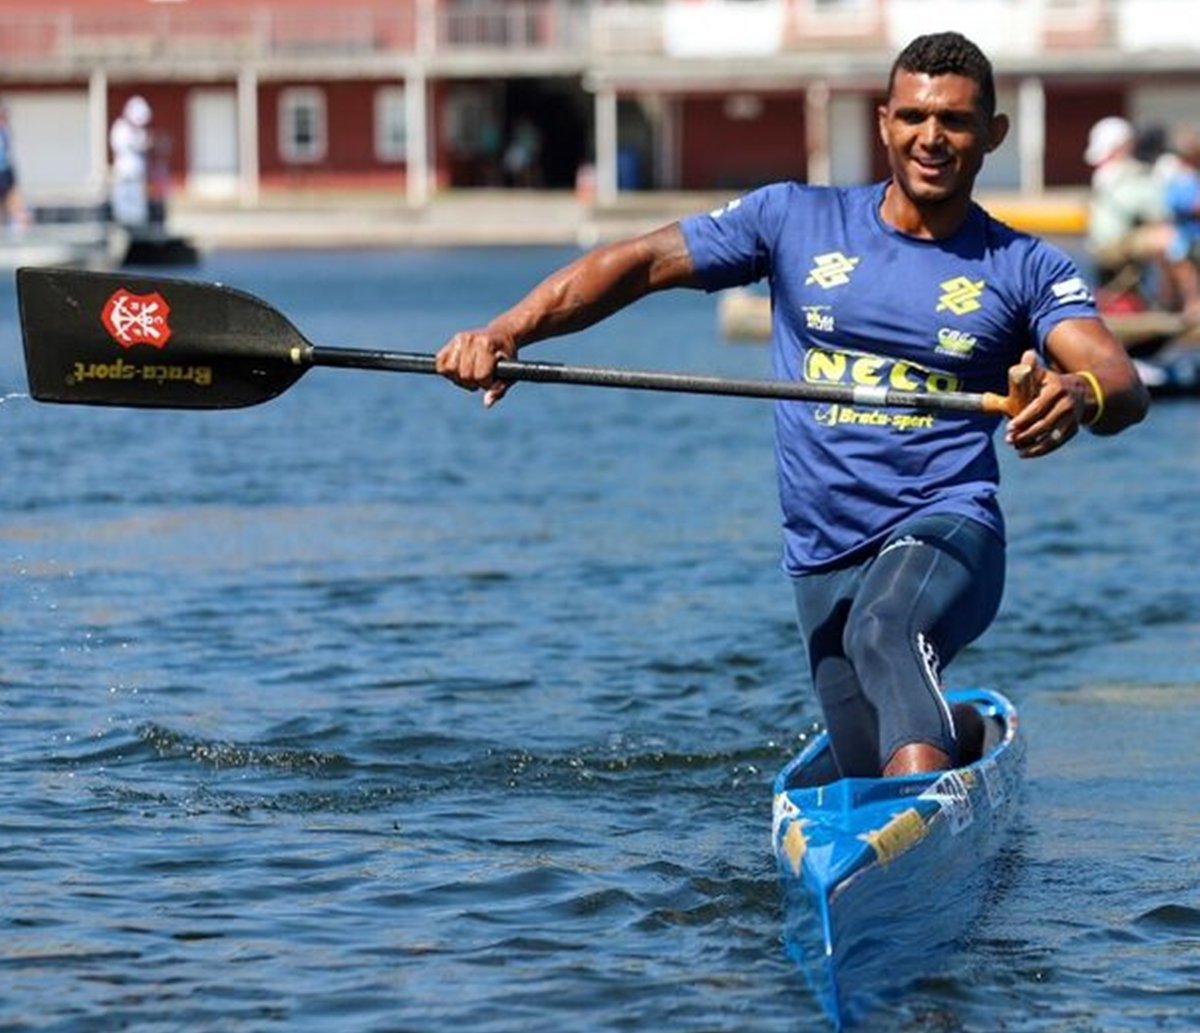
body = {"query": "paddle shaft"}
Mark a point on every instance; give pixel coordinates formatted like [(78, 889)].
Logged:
[(684, 383)]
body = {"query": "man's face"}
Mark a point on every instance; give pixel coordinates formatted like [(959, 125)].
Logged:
[(936, 135)]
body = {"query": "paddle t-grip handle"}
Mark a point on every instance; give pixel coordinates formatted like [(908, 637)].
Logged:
[(1021, 389)]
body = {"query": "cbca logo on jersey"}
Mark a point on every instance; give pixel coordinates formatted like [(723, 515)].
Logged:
[(832, 269), (958, 343), (960, 295), (732, 206)]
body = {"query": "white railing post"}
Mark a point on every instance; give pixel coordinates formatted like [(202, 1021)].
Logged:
[(247, 108), (1031, 134), (98, 122), (416, 100), (606, 145), (817, 159)]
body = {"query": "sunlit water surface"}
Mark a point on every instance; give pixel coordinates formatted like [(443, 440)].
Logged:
[(367, 709)]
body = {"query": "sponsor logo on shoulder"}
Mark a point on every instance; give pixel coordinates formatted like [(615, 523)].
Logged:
[(729, 206), (1067, 291)]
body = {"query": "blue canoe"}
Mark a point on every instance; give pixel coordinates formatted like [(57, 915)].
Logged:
[(881, 876)]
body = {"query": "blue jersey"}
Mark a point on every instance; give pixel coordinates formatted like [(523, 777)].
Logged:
[(855, 301), (1183, 204)]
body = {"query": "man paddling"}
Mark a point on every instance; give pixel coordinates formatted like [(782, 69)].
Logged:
[(892, 533)]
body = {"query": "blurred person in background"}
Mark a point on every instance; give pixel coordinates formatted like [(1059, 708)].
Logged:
[(1128, 229), (130, 140), (1182, 192)]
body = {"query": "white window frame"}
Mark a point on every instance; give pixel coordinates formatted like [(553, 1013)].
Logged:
[(391, 123), (295, 103)]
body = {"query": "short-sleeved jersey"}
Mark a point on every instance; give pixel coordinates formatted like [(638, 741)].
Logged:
[(855, 301)]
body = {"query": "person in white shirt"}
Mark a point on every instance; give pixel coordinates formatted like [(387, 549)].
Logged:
[(1128, 228), (130, 140)]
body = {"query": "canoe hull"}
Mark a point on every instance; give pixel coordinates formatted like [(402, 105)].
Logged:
[(881, 877)]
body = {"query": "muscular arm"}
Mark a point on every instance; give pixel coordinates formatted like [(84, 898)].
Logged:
[(1065, 399), (582, 293)]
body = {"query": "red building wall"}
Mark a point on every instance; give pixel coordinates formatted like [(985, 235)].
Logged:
[(350, 127), (349, 159), (1070, 112), (719, 152)]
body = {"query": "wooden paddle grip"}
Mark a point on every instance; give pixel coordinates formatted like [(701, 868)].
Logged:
[(1021, 389)]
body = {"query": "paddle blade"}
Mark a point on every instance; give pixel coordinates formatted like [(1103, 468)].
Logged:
[(148, 342)]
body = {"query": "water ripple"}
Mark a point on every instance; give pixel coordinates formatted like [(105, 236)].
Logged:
[(169, 744), (368, 709)]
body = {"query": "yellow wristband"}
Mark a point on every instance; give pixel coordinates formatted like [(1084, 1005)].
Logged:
[(1090, 377)]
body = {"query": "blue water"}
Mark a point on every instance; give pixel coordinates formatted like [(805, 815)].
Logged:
[(369, 710)]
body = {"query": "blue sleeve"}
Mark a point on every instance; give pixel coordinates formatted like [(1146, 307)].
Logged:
[(731, 246), (1057, 292)]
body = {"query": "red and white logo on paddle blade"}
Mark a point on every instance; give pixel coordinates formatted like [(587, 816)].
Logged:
[(137, 319)]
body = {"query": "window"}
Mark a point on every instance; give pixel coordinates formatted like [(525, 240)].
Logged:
[(391, 124), (302, 128)]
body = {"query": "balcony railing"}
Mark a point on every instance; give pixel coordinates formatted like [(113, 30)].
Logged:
[(86, 37)]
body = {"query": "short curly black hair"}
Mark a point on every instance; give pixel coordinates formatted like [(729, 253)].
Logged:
[(948, 53)]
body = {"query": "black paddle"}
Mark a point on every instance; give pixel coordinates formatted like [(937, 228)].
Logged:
[(148, 342)]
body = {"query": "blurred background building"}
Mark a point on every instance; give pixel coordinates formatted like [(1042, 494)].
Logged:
[(416, 96)]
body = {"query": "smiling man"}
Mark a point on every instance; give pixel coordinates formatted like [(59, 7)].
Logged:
[(937, 125), (893, 536)]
